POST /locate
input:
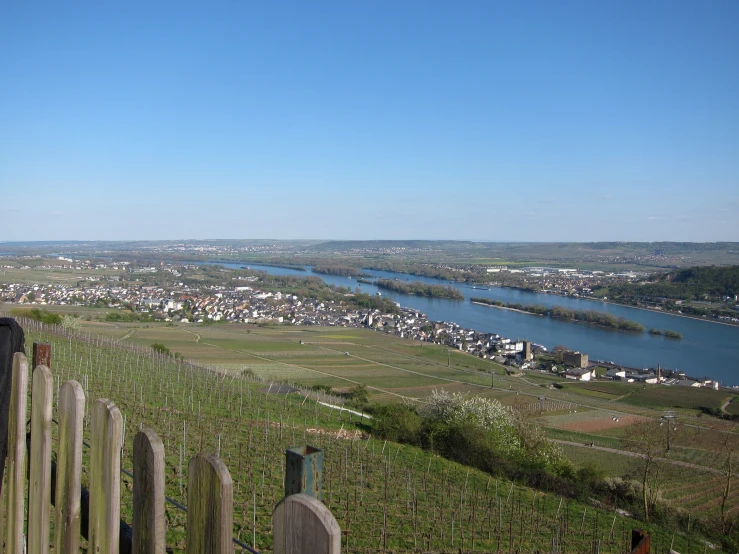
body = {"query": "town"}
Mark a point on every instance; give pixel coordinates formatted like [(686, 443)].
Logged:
[(238, 298)]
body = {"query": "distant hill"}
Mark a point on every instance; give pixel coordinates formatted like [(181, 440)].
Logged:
[(692, 283), (346, 245)]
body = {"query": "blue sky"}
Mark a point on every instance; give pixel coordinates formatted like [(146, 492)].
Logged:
[(483, 120)]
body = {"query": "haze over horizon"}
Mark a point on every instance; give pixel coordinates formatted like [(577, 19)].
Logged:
[(486, 121)]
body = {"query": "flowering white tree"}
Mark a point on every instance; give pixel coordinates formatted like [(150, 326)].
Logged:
[(70, 322), (513, 436)]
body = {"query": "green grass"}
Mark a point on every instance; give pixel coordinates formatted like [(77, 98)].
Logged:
[(606, 388), (610, 464), (419, 486), (53, 276), (733, 407), (583, 438), (678, 397)]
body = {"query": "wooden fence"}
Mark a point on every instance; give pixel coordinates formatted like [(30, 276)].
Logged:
[(300, 522)]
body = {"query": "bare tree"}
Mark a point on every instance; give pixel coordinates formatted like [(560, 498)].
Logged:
[(723, 444), (558, 353), (649, 442)]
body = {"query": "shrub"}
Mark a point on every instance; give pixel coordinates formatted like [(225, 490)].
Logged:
[(358, 396), (37, 314), (159, 348), (398, 423)]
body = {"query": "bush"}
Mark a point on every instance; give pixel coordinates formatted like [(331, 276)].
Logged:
[(466, 443), (159, 348), (37, 314), (397, 423), (358, 397)]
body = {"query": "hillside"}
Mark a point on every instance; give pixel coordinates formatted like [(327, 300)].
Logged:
[(693, 283), (384, 495)]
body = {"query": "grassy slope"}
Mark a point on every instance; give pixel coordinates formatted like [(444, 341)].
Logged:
[(427, 497)]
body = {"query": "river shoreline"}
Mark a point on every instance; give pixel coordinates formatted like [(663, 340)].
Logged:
[(704, 350), (593, 299)]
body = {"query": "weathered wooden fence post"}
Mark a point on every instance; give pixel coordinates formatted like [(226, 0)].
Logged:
[(16, 460), (41, 354), (69, 469), (640, 542), (209, 506), (105, 477), (149, 525), (301, 524), (39, 485)]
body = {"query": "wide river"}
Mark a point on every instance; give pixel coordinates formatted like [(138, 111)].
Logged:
[(706, 349)]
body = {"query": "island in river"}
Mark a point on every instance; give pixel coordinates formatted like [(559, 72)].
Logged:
[(600, 319)]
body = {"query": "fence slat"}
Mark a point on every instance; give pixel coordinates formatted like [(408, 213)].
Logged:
[(69, 468), (16, 460), (148, 494), (39, 483), (105, 477), (3, 493), (303, 525), (209, 506)]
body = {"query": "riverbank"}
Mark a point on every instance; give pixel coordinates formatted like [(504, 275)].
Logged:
[(704, 350), (664, 312), (599, 300)]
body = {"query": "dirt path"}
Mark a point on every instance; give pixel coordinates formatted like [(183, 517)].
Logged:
[(637, 455), (726, 405), (127, 335), (197, 335)]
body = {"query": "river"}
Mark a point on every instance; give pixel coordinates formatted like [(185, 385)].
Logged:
[(707, 349)]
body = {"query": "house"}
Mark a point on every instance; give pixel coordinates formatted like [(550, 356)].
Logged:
[(616, 374), (580, 374), (648, 378)]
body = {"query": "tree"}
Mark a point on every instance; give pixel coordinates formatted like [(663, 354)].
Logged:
[(70, 322), (558, 352), (358, 396), (649, 442), (723, 444)]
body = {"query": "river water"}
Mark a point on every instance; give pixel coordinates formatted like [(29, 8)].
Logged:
[(707, 348)]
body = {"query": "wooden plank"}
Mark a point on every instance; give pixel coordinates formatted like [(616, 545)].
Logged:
[(105, 477), (149, 525), (39, 482), (303, 525), (69, 469), (16, 460), (209, 506)]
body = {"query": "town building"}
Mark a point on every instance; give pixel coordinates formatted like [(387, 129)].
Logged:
[(576, 359)]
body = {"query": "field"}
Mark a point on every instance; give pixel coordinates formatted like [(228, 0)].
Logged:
[(579, 414), (36, 275), (386, 497)]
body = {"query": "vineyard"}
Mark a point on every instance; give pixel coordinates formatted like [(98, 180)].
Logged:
[(385, 496)]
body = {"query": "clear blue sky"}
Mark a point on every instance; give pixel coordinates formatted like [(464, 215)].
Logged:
[(483, 120)]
